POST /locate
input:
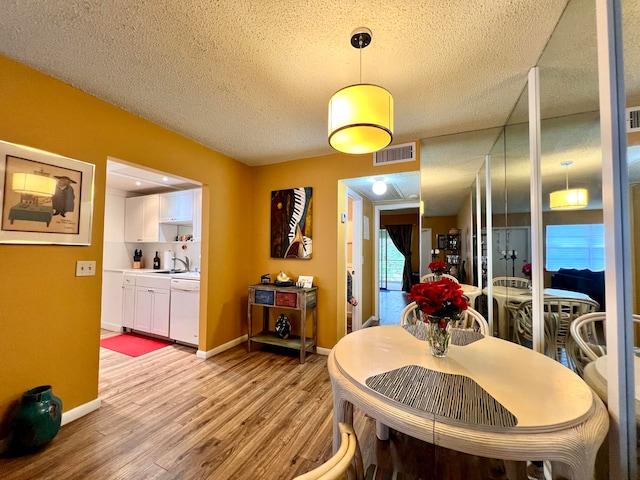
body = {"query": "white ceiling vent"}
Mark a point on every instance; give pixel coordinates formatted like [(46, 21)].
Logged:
[(633, 119), (405, 152)]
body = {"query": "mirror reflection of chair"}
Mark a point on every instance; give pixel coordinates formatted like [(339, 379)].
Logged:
[(430, 277), (513, 282), (587, 343), (347, 463), (587, 339), (558, 313), (470, 319)]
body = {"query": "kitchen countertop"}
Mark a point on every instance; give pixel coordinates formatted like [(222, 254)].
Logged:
[(162, 273)]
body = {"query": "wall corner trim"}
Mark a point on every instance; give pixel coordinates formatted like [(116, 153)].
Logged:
[(80, 411)]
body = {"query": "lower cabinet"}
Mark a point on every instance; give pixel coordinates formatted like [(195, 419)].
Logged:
[(145, 304), (152, 311)]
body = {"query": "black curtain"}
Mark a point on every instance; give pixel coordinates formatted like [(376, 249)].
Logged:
[(400, 235)]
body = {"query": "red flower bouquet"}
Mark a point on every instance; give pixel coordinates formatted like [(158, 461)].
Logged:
[(526, 270), (438, 267), (443, 298)]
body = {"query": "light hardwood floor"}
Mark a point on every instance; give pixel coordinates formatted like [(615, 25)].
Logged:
[(262, 415)]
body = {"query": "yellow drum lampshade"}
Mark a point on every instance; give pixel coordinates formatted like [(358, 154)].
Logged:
[(360, 119), (31, 184), (569, 199)]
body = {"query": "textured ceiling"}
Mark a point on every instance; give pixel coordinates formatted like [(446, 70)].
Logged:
[(570, 127), (252, 79)]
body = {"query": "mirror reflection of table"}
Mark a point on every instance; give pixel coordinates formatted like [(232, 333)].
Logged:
[(557, 416), (595, 375), (515, 296), (471, 292)]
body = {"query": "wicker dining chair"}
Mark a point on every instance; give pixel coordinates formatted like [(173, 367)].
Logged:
[(347, 463), (469, 319), (430, 277)]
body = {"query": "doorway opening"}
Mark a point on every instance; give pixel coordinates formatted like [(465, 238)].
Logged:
[(390, 299)]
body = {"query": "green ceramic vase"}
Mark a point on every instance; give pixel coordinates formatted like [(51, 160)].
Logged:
[(37, 419)]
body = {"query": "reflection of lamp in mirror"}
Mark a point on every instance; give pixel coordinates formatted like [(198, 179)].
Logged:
[(361, 115), (569, 198), (379, 187)]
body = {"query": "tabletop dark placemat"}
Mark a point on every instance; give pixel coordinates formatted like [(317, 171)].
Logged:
[(459, 336), (443, 394)]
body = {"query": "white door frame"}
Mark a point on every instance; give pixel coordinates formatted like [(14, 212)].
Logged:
[(356, 256), (376, 240)]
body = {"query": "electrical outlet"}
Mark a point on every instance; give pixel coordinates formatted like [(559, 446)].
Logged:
[(85, 268)]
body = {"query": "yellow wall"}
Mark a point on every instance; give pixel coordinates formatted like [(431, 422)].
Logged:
[(328, 262), (50, 319)]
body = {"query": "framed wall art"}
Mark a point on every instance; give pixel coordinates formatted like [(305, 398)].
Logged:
[(291, 221), (44, 198)]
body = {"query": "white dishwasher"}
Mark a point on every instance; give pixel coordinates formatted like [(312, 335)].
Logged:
[(184, 317)]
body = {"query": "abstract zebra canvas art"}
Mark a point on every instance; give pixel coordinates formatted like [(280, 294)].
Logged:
[(291, 221)]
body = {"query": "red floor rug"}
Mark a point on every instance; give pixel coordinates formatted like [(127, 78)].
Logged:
[(132, 345)]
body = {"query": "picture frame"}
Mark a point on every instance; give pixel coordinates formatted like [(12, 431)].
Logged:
[(291, 223), (305, 281), (44, 198)]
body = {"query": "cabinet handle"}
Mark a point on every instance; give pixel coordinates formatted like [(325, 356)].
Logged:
[(149, 290)]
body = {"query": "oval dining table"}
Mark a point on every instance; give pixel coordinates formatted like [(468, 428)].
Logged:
[(487, 397)]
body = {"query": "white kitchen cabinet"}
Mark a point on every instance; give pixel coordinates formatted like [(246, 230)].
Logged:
[(111, 311), (176, 207), (128, 305), (152, 311), (197, 215), (141, 219), (151, 296)]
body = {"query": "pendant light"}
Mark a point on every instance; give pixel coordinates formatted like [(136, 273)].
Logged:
[(360, 116), (569, 198)]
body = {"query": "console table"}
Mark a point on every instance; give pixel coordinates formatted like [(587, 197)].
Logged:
[(288, 298)]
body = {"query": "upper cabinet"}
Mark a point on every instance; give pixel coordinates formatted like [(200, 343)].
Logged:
[(141, 219), (197, 214), (176, 207)]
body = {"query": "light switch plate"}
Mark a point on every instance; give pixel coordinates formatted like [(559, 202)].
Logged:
[(86, 268)]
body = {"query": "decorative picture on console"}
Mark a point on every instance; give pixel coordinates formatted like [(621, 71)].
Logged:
[(45, 198), (291, 220)]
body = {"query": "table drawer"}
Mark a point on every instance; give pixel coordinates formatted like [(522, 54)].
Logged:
[(286, 299), (264, 297)]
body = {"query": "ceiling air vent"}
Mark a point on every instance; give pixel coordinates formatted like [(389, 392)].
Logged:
[(405, 152), (633, 119)]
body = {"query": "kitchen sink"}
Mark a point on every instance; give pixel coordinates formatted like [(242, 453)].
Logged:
[(172, 271)]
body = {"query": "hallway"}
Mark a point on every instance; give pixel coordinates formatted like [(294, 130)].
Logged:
[(391, 304)]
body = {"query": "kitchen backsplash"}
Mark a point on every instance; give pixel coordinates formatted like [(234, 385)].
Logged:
[(179, 250)]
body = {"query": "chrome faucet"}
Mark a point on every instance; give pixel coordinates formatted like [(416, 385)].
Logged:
[(185, 262)]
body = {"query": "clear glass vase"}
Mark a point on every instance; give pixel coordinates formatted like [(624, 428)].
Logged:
[(439, 335)]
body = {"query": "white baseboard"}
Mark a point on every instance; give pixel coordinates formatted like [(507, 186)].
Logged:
[(114, 327), (226, 346), (233, 343), (80, 411)]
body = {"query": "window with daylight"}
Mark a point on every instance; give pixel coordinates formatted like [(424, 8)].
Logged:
[(575, 246), (391, 263)]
